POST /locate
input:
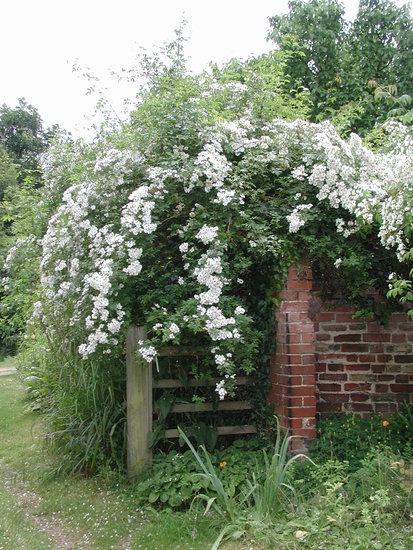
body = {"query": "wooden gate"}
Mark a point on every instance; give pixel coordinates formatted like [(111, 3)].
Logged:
[(140, 385)]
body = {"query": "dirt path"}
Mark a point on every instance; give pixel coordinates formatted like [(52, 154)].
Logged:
[(4, 371), (42, 511), (8, 366)]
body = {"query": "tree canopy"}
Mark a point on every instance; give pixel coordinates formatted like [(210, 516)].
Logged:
[(23, 136), (342, 63)]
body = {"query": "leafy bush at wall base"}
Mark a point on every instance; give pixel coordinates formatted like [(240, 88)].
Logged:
[(400, 425), (349, 437), (332, 505), (172, 481)]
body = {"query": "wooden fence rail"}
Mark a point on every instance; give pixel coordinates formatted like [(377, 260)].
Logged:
[(140, 401)]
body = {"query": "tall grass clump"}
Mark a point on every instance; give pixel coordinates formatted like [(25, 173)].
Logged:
[(84, 408), (270, 489)]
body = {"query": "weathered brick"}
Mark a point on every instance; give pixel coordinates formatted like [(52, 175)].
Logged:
[(402, 379), (336, 397), (300, 349), (330, 356), (376, 348), (322, 347), (403, 358), (296, 423), (357, 407), (357, 387), (391, 367), (329, 387), (399, 338), (378, 368), (303, 390), (336, 368), (308, 360), (367, 358), (356, 348), (348, 337), (310, 422), (357, 326), (309, 401), (326, 316), (302, 412), (333, 376), (307, 337), (323, 337), (374, 337), (328, 407), (360, 367), (344, 317), (381, 389), (398, 388), (288, 295), (373, 364), (332, 327), (401, 397), (309, 380), (359, 397), (408, 368), (299, 285), (386, 408), (398, 317), (301, 328), (361, 377), (385, 377), (296, 401)]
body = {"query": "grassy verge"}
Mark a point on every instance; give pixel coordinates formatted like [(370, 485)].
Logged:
[(41, 513)]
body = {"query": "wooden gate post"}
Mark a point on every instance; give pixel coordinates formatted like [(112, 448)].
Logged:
[(139, 404)]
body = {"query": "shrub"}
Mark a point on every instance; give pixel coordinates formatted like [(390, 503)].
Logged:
[(173, 480), (349, 438)]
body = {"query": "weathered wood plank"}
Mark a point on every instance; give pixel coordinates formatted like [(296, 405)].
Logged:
[(222, 430), (139, 405), (183, 351), (202, 407), (194, 383)]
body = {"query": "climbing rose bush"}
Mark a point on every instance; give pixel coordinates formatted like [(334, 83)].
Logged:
[(166, 233)]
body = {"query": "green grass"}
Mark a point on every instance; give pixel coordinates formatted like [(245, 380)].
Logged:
[(37, 512)]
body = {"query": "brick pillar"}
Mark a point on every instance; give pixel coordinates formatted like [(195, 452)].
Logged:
[(293, 366)]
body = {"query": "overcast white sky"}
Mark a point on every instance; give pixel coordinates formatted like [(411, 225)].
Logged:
[(41, 40)]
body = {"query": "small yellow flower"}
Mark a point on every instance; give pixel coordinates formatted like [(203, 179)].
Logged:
[(385, 423), (222, 464)]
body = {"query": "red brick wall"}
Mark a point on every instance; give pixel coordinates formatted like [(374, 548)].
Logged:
[(328, 361), (361, 365), (293, 366)]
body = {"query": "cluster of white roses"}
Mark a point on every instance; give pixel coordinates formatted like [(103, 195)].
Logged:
[(349, 175)]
